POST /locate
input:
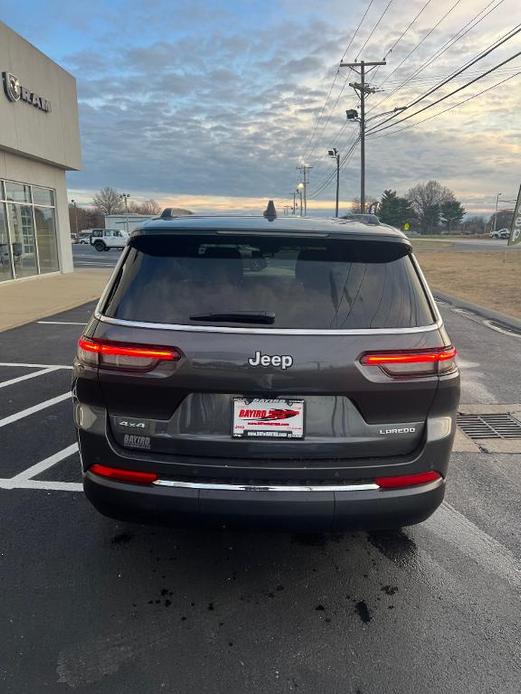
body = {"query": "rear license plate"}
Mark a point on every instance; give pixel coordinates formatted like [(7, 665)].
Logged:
[(268, 419)]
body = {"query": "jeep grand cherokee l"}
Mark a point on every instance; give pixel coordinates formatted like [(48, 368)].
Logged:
[(316, 387)]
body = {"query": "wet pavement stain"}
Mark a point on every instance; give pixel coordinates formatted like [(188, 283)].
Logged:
[(393, 544), (363, 611), (389, 590)]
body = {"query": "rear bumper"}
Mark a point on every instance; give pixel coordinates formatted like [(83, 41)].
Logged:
[(311, 510)]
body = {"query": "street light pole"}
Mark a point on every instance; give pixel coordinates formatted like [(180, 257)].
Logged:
[(305, 180), (334, 153), (75, 216), (301, 187), (361, 88), (125, 197)]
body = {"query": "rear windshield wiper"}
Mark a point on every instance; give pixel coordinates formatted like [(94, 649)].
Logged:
[(264, 317)]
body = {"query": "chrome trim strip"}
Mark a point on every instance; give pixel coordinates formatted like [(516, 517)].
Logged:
[(263, 331), (268, 487)]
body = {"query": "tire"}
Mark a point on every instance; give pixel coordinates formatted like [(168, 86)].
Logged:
[(106, 248), (100, 246)]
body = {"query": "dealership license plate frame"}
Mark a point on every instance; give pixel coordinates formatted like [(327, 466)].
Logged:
[(257, 428)]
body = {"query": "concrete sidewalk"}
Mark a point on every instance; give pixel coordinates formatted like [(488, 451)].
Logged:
[(23, 301)]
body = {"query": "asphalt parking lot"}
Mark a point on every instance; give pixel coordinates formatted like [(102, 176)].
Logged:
[(86, 256), (93, 605)]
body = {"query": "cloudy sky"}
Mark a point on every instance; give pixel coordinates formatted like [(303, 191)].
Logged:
[(212, 105)]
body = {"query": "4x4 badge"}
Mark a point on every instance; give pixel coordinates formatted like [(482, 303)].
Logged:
[(283, 361)]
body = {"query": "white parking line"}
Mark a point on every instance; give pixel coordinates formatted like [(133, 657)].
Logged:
[(35, 408), (96, 264), (12, 381), (37, 468), (35, 366), (24, 479), (58, 322)]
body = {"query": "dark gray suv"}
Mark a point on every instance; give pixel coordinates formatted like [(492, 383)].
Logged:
[(291, 372)]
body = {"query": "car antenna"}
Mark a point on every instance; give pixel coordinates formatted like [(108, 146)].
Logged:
[(270, 212)]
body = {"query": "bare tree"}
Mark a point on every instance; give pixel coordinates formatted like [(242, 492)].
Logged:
[(87, 218), (356, 207), (426, 200), (146, 207), (108, 201)]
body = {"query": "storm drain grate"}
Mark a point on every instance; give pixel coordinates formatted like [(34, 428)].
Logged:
[(490, 426)]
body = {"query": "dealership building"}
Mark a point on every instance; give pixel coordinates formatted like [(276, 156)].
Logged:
[(39, 142)]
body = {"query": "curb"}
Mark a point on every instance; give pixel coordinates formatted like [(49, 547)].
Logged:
[(487, 313)]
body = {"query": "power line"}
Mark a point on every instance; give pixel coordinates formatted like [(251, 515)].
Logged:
[(433, 79), (331, 177), (353, 36), (378, 129), (456, 3), (450, 108), (404, 32), (463, 31), (449, 11), (374, 29), (486, 51)]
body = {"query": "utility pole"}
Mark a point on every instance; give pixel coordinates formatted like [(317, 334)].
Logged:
[(495, 216), (334, 153), (294, 202), (361, 88), (305, 180)]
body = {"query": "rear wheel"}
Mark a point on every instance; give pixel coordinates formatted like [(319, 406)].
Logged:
[(100, 246)]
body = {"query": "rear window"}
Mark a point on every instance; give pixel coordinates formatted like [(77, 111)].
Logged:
[(270, 282)]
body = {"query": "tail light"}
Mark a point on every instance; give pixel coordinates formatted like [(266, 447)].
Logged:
[(120, 355), (132, 476), (402, 481), (413, 363)]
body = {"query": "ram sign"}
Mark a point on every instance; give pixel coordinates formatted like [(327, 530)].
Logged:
[(515, 229)]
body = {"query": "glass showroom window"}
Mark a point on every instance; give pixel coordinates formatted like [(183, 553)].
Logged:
[(28, 235), (6, 268), (46, 239)]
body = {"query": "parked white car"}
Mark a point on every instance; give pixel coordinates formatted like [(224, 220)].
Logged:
[(105, 239), (500, 234)]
